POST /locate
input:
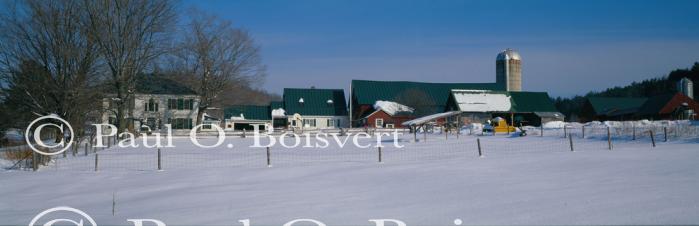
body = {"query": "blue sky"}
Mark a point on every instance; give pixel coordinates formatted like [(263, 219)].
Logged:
[(568, 47)]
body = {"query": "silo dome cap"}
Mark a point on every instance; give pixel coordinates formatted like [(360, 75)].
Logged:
[(508, 54)]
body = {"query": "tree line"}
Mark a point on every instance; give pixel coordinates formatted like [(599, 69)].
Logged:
[(646, 88), (64, 57)]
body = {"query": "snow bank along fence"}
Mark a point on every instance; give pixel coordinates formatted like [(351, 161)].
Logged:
[(24, 158), (437, 145), (660, 131)]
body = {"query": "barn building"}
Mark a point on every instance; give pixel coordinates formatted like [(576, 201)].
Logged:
[(527, 108), (431, 98), (425, 98), (661, 107), (389, 115), (299, 109), (246, 117)]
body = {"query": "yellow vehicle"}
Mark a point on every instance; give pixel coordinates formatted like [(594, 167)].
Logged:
[(501, 126)]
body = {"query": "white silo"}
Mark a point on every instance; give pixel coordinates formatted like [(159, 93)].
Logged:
[(508, 70), (686, 87)]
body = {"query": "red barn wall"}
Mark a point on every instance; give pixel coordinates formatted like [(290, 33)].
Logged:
[(387, 119)]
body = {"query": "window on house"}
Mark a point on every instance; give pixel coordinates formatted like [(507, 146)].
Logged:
[(379, 123), (180, 123), (180, 104), (337, 123), (331, 123), (309, 122), (390, 126), (151, 105), (171, 104), (293, 122)]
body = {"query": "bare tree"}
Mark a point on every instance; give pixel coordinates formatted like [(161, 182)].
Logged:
[(216, 58), (47, 63), (129, 34)]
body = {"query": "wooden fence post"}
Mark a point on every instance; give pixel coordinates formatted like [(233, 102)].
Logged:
[(96, 161), (446, 133), (565, 131), (380, 155), (35, 163), (570, 138), (652, 137), (583, 132), (414, 134), (665, 133), (542, 130), (113, 203), (269, 159), (424, 132), (609, 137), (160, 165), (86, 148), (634, 132), (478, 140)]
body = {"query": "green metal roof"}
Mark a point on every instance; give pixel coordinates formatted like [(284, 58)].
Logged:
[(252, 112), (368, 92), (315, 102), (158, 84), (654, 104), (276, 104), (531, 102), (610, 105)]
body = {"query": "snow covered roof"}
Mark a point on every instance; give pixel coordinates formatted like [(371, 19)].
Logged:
[(208, 117), (426, 119), (392, 108), (279, 112), (241, 117), (481, 101)]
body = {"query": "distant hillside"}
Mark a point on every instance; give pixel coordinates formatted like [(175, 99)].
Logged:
[(645, 88)]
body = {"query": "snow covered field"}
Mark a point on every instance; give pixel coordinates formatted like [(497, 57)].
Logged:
[(520, 180)]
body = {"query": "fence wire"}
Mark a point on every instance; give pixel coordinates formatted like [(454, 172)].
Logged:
[(416, 148)]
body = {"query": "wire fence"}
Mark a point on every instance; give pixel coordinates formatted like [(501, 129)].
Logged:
[(236, 152)]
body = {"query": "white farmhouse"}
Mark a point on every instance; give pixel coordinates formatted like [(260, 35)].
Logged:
[(156, 101)]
